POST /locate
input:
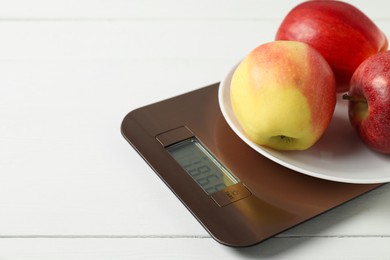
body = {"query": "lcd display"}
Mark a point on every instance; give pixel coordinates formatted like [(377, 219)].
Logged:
[(201, 165)]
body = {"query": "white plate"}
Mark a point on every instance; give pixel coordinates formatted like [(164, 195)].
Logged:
[(338, 156)]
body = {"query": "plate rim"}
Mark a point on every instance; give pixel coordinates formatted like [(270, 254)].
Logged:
[(222, 88)]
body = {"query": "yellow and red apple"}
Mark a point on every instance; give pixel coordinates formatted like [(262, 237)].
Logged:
[(369, 102), (283, 94), (343, 34)]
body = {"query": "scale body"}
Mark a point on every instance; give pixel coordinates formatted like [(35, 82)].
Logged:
[(260, 199)]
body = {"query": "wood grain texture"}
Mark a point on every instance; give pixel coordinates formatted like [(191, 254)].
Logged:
[(193, 248), (70, 185)]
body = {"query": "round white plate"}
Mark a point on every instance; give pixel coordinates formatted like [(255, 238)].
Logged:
[(338, 156)]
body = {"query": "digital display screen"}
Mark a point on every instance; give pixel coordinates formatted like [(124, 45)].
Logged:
[(201, 165)]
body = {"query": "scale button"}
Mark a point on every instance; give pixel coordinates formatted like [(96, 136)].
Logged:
[(231, 194), (174, 136)]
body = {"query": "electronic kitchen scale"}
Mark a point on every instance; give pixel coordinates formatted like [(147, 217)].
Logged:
[(239, 196)]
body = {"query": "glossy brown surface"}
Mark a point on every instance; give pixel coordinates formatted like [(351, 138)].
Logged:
[(280, 198)]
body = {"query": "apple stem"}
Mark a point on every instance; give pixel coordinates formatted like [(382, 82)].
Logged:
[(353, 99), (347, 97)]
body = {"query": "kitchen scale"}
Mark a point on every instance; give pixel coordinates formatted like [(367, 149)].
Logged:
[(238, 195)]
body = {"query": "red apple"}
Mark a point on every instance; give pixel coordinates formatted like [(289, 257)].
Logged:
[(343, 34), (369, 102)]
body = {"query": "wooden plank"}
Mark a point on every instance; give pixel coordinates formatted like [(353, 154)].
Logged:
[(137, 40), (170, 9), (65, 168), (305, 248)]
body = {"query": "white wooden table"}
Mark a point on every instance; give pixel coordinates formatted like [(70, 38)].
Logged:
[(71, 187)]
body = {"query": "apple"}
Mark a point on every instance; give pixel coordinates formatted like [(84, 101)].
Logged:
[(343, 34), (369, 102), (283, 94)]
